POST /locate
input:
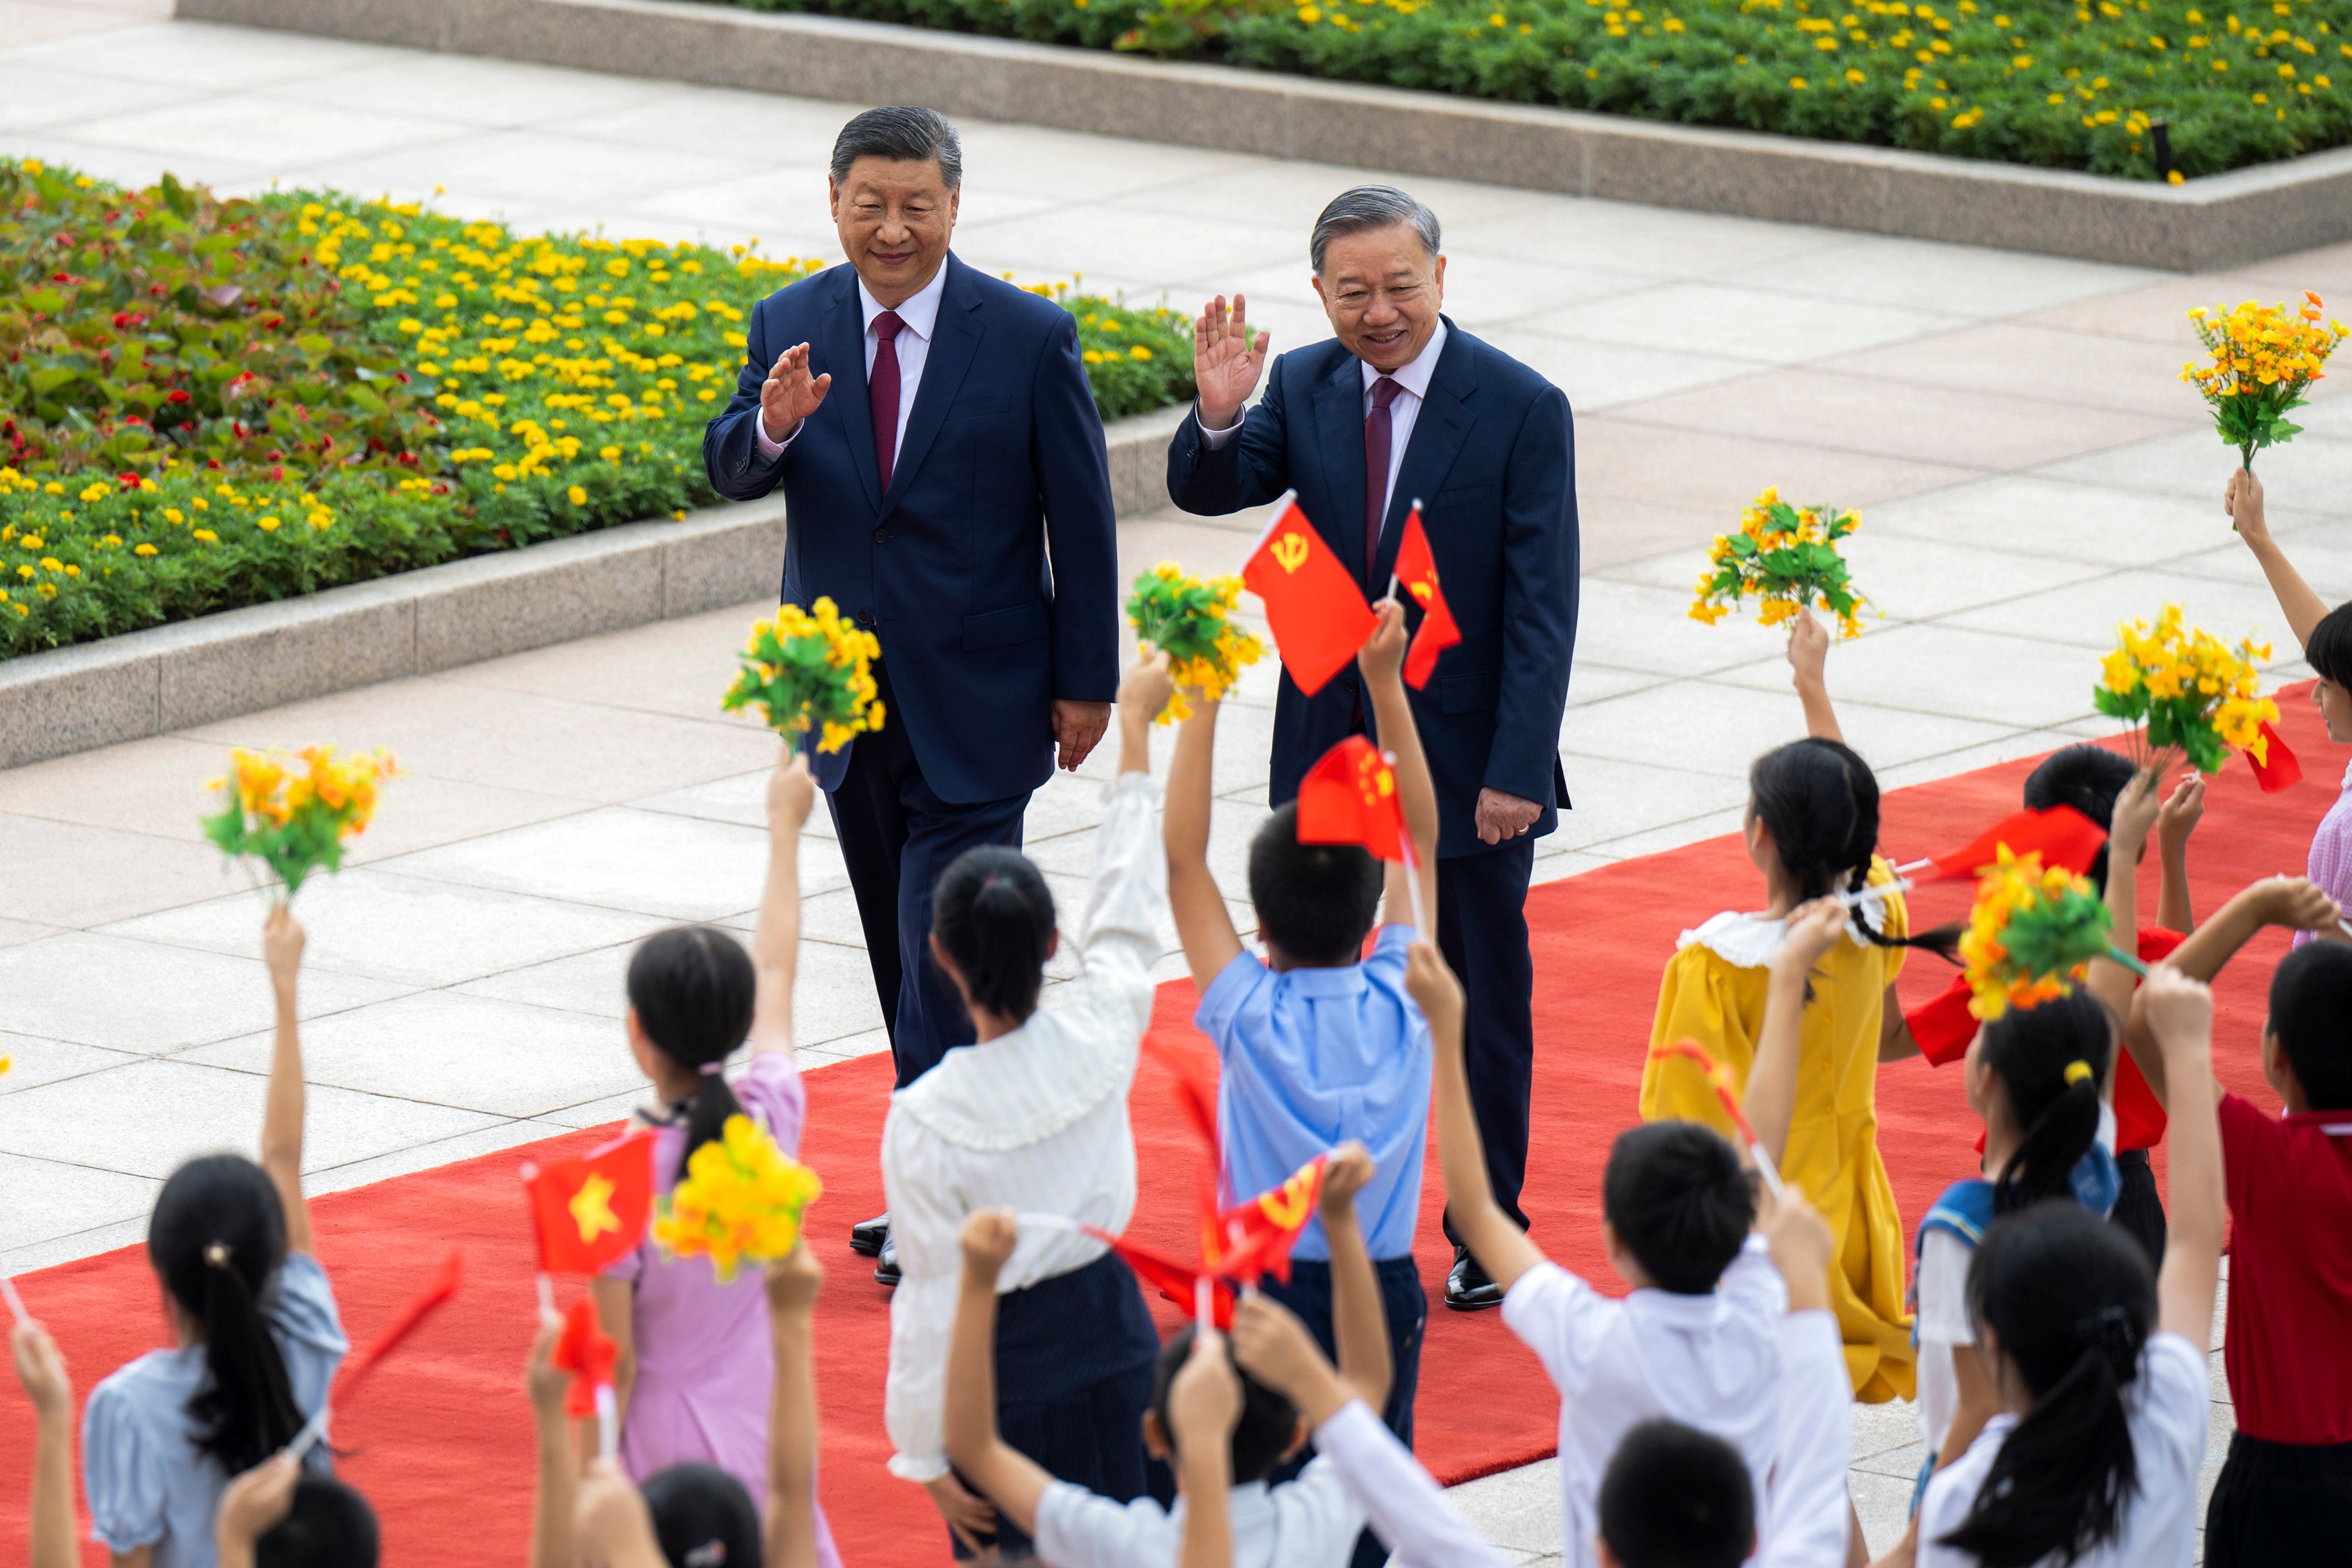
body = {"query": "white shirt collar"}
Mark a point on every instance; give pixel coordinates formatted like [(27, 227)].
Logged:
[(920, 313), (1414, 377)]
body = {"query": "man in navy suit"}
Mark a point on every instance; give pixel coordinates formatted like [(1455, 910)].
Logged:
[(1405, 406), (954, 499)]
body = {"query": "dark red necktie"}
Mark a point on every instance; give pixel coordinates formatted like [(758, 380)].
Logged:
[(1378, 432), (882, 394)]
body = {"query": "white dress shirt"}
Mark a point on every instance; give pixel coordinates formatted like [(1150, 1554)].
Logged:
[(1413, 382), (1309, 1522), (920, 315), (1034, 1121), (1809, 1513)]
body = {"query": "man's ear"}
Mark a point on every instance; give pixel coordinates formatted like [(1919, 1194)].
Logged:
[(1440, 276), (955, 205), (833, 198), (1155, 1438), (1053, 944)]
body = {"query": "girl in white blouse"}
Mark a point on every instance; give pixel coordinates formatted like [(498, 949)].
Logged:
[(1032, 1117)]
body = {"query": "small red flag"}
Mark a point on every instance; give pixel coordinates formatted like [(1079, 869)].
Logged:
[(1255, 1238), (2277, 769), (2061, 835), (1179, 1282), (1944, 1027), (1351, 797), (1313, 606), (590, 1213), (588, 1354), (437, 1291), (1416, 573)]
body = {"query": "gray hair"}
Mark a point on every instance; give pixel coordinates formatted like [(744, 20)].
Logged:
[(900, 135), (1369, 208)]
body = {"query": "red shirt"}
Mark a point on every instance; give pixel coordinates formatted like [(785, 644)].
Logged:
[(2290, 1272)]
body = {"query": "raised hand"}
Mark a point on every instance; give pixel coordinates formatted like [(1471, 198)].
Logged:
[(989, 1237), (2177, 818), (2242, 500), (790, 394), (791, 790), (1228, 356), (1345, 1174), (1812, 929)]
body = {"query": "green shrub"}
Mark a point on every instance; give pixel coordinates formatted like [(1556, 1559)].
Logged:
[(210, 403)]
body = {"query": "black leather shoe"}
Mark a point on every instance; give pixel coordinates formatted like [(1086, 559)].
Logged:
[(1468, 1289), (886, 1267), (865, 1238)]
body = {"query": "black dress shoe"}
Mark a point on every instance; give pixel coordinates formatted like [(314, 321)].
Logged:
[(866, 1237), (886, 1266), (1468, 1288)]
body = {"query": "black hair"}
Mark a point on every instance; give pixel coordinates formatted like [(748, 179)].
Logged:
[(994, 915), (329, 1525), (2071, 1301), (702, 1518), (216, 1240), (2311, 1014), (1268, 1420), (1679, 1202), (2031, 1050), (1676, 1497), (2329, 651), (901, 134), (693, 989), (1314, 901), (2089, 778), (1820, 801)]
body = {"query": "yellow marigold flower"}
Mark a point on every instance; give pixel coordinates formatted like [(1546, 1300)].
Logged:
[(267, 524), (207, 535), (142, 550), (579, 496), (1139, 351)]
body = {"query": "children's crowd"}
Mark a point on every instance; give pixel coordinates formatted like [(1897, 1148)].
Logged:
[(2051, 1316)]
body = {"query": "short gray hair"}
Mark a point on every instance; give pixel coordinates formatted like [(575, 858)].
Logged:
[(900, 135), (1369, 208)]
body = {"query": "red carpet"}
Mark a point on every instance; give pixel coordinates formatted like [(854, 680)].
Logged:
[(441, 1441)]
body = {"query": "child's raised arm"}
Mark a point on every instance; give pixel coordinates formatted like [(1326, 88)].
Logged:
[(1382, 659), (2295, 902), (1204, 1404), (612, 1523), (1770, 1102), (42, 1370), (790, 1532), (281, 1114), (2302, 608), (776, 944), (1003, 1474), (1360, 1324), (1809, 655), (551, 1544), (1203, 924), (2134, 819), (2180, 1013), (2175, 821), (1502, 1248), (251, 1507)]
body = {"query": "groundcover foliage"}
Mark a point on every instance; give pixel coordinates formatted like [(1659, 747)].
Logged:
[(208, 403)]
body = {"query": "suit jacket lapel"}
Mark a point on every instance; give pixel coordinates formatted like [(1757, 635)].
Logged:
[(1438, 432), (1339, 438), (955, 339), (844, 356)]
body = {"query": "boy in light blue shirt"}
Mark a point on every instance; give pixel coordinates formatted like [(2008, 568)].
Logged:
[(1319, 1044)]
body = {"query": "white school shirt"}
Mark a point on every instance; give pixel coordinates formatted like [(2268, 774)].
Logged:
[(1309, 1522), (921, 315), (1712, 1362), (1032, 1121), (1404, 408), (1403, 1502), (2166, 1406)]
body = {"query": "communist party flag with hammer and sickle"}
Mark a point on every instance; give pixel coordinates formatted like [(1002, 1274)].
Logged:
[(1313, 606), (1416, 573), (592, 1212)]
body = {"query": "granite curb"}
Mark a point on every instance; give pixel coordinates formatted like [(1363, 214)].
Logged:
[(167, 677), (2222, 221)]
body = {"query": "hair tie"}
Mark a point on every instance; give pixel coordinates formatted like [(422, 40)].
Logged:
[(2079, 1072), (216, 1255), (710, 1069), (2111, 1331), (710, 1554)]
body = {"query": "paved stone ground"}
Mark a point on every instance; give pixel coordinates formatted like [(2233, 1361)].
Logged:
[(2029, 467)]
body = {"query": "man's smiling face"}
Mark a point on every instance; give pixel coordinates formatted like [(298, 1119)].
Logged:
[(1382, 292), (894, 219)]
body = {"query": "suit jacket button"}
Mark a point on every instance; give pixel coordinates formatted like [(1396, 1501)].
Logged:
[(865, 617), (881, 536)]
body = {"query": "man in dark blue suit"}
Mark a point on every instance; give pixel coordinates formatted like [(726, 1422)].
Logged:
[(953, 496), (1405, 406)]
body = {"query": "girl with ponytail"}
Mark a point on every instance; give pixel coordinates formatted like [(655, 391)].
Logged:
[(256, 1331), (697, 1359)]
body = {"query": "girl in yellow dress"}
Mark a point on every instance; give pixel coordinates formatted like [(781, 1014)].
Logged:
[(1811, 830)]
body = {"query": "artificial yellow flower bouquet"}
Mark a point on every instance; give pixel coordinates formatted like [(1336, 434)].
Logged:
[(1188, 619), (1786, 557), (810, 669), (293, 812), (2031, 932), (742, 1198), (2189, 692), (2264, 358)]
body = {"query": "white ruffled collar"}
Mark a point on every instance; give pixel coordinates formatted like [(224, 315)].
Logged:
[(1024, 1087), (1748, 942)]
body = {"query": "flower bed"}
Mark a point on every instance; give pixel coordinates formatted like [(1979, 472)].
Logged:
[(207, 403), (2045, 82)]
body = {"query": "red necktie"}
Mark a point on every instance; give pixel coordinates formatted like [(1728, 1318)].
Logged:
[(1378, 432), (882, 394)]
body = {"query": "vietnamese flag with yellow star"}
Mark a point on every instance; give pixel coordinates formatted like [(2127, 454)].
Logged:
[(1416, 573), (590, 1212), (1351, 797), (1312, 605)]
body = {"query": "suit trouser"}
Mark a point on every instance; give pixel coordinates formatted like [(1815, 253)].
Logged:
[(897, 838), (1482, 930)]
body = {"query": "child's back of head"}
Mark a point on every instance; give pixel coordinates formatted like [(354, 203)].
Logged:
[(1675, 1497), (2049, 1060), (1819, 801), (702, 1518), (1679, 1202), (1268, 1428), (329, 1525), (2311, 1014), (1314, 901), (692, 991), (994, 914), (2089, 778), (217, 1240)]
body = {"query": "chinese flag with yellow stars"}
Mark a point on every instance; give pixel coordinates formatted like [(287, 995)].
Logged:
[(1351, 797), (1313, 606), (592, 1212)]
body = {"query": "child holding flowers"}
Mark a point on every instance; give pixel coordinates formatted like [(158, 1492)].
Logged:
[(1188, 620), (696, 1359)]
